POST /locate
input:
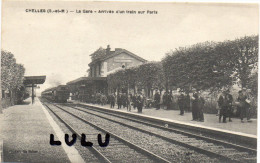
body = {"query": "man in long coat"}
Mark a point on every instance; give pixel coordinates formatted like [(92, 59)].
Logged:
[(119, 101), (244, 106), (169, 100), (195, 107), (112, 100), (139, 102), (134, 101), (164, 100), (157, 99), (200, 109), (229, 99), (181, 103), (223, 104)]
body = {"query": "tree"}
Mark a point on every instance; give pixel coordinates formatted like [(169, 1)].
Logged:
[(193, 66), (11, 73), (149, 75), (253, 84), (212, 66), (99, 53), (241, 57)]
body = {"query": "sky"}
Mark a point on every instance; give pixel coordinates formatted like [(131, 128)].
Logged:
[(58, 45)]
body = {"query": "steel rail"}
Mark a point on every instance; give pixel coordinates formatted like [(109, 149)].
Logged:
[(198, 149), (131, 145), (224, 143), (99, 155)]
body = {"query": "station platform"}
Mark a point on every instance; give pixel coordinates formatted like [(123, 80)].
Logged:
[(1, 137), (211, 121), (25, 133)]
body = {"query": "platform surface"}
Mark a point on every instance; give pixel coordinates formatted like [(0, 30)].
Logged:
[(210, 120), (26, 133)]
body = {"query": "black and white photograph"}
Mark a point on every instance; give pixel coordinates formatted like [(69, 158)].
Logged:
[(129, 82)]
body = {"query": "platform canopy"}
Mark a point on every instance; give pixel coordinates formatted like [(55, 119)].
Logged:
[(86, 79), (29, 80)]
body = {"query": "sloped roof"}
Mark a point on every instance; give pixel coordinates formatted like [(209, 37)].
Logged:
[(34, 80), (115, 53)]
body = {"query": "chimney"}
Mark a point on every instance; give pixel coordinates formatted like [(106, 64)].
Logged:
[(108, 50)]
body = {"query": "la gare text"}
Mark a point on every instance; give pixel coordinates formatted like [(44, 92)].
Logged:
[(70, 141), (86, 11)]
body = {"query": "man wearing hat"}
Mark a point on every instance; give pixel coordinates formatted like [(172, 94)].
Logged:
[(195, 106), (157, 99), (139, 101), (244, 105), (222, 103), (229, 99), (181, 103)]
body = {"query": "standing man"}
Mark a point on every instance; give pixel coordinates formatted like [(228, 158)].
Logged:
[(195, 106), (112, 100), (129, 102), (221, 104), (134, 100), (157, 99), (229, 99), (200, 109), (244, 105), (164, 100), (139, 102), (181, 103), (119, 101), (169, 100)]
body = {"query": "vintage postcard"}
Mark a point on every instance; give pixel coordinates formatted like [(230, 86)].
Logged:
[(129, 81)]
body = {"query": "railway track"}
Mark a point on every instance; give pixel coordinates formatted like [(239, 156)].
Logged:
[(215, 150), (119, 149), (212, 147)]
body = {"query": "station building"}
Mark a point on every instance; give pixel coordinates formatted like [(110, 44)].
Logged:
[(103, 63)]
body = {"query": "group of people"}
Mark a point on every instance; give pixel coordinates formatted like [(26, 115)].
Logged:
[(183, 103), (197, 106), (226, 105), (196, 103), (99, 98), (165, 101), (128, 101)]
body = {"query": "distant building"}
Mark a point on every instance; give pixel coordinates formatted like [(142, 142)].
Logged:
[(105, 61)]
